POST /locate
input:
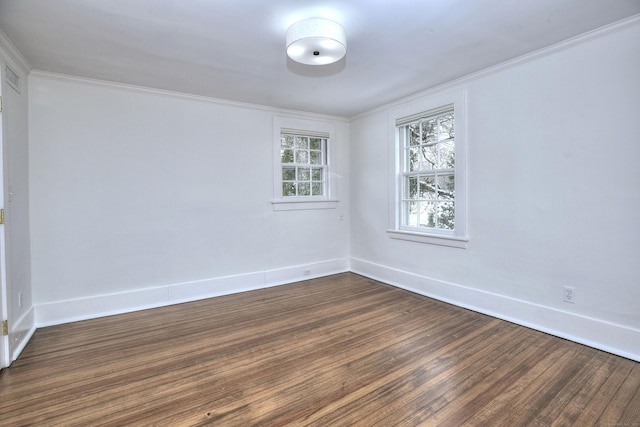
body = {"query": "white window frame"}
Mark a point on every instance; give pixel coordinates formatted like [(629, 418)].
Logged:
[(455, 238), (326, 201)]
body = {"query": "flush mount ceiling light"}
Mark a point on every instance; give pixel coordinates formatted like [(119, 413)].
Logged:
[(316, 41)]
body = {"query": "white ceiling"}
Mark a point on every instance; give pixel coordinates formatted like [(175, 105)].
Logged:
[(234, 49)]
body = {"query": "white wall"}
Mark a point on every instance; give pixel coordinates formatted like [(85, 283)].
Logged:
[(16, 200), (554, 196), (135, 190)]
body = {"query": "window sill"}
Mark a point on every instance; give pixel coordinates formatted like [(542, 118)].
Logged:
[(433, 239), (294, 205)]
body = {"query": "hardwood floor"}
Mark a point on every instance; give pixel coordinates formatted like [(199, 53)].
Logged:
[(337, 351)]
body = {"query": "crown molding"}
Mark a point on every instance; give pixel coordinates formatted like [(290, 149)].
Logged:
[(7, 45), (179, 95)]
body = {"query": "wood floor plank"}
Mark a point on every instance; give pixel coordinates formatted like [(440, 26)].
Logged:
[(342, 350), (335, 356), (569, 402), (393, 392), (631, 412), (624, 403), (528, 394), (463, 398), (147, 367), (163, 347)]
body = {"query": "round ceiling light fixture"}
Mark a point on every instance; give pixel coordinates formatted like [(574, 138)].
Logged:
[(316, 41)]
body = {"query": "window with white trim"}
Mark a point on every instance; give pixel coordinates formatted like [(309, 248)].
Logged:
[(303, 161), (427, 158), (303, 156), (429, 181)]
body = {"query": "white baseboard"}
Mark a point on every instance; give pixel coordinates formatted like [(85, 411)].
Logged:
[(58, 312), (603, 335), (21, 333), (607, 336)]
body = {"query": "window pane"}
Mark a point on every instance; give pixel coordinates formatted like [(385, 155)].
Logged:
[(316, 157), (288, 174), (446, 216), (446, 127), (413, 134), (304, 189), (447, 154), (413, 159), (317, 189), (411, 214), (302, 157), (302, 142), (429, 131), (286, 156), (428, 188), (315, 143), (304, 174), (428, 157), (286, 141), (446, 187), (411, 187), (427, 214), (316, 174), (288, 189)]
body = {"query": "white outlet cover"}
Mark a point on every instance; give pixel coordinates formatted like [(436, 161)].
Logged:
[(569, 294)]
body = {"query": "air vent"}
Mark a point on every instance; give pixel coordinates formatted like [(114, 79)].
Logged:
[(13, 79)]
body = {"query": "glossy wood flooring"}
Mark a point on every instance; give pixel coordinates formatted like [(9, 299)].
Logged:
[(338, 351)]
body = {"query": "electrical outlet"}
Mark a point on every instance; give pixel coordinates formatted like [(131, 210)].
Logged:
[(569, 294), (307, 272)]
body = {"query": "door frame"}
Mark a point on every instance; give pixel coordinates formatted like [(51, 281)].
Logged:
[(5, 359)]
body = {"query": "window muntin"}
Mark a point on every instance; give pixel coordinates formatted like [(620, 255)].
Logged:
[(428, 190), (304, 164)]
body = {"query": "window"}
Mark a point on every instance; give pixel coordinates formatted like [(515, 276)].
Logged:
[(429, 177), (302, 164), (428, 171)]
